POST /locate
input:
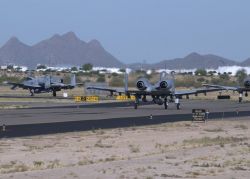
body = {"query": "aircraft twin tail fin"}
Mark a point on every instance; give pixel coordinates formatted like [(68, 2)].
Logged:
[(73, 80), (47, 81), (126, 81)]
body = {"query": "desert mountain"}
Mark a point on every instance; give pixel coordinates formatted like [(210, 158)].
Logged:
[(66, 49), (191, 61), (246, 62)]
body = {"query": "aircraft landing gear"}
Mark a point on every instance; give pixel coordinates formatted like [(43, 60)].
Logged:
[(54, 93), (240, 98), (165, 103), (31, 92), (136, 102), (178, 106), (177, 102), (144, 98), (135, 105)]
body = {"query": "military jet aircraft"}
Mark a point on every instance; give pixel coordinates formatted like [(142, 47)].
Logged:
[(162, 92), (245, 88), (44, 84)]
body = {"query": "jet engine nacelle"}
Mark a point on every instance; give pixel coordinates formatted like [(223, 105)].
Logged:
[(164, 84), (247, 83), (142, 84)]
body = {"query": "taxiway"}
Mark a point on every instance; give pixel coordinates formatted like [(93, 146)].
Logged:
[(52, 118)]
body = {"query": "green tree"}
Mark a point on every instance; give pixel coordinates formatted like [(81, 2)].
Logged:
[(74, 69), (41, 67), (10, 67), (122, 70), (241, 75), (87, 67), (200, 72), (211, 73), (224, 76)]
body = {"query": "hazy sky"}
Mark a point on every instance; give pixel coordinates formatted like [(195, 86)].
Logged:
[(136, 30)]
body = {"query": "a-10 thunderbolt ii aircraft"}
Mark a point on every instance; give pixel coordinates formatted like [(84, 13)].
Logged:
[(44, 84), (240, 89), (162, 92)]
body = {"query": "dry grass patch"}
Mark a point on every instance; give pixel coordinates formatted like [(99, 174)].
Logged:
[(208, 141), (214, 130), (38, 164), (134, 148), (206, 165), (101, 145), (241, 126), (54, 164), (170, 176), (13, 167), (85, 161), (193, 174)]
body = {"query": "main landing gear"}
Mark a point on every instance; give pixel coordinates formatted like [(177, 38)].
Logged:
[(54, 93), (160, 102), (240, 97), (136, 102), (31, 92), (177, 102), (165, 103)]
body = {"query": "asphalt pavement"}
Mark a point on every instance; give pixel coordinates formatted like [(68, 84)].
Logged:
[(47, 118)]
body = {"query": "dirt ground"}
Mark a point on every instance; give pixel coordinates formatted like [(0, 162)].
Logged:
[(217, 149)]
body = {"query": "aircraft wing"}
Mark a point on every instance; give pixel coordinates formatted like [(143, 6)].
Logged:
[(111, 90), (65, 86), (196, 91), (131, 92), (243, 89), (233, 88), (15, 85), (156, 92), (21, 85), (185, 92)]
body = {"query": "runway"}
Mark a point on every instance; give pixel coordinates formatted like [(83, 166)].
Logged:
[(49, 119)]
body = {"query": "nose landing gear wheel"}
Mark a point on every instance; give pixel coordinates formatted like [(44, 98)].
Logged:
[(54, 93), (240, 99), (178, 106), (135, 105), (165, 105)]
